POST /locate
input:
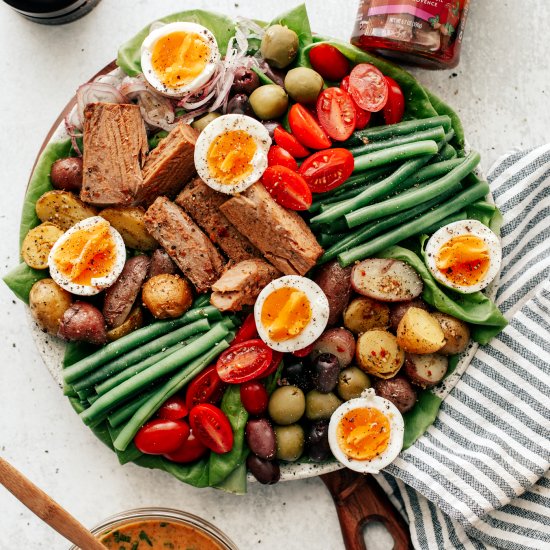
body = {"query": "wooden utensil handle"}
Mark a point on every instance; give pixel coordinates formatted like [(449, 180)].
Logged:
[(46, 508), (358, 500)]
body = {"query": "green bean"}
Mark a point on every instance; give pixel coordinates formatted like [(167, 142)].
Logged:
[(452, 180), (122, 414), (448, 152), (416, 226), (106, 402), (325, 239), (461, 215)]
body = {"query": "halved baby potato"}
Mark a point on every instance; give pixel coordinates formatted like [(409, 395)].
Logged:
[(129, 222), (378, 353), (63, 209), (419, 332), (38, 243)]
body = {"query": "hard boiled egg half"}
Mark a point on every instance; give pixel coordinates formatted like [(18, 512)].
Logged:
[(464, 255), (231, 153), (88, 257), (366, 434), (179, 58), (290, 313)]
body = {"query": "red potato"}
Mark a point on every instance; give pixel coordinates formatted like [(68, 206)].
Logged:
[(457, 334), (399, 309), (83, 322), (120, 298), (426, 371), (335, 282), (399, 391), (386, 280), (338, 341), (161, 264), (66, 174)]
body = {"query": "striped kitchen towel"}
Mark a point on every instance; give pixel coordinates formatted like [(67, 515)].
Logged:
[(479, 477)]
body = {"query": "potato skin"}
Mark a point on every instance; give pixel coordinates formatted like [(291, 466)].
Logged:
[(167, 296), (83, 322), (133, 322), (161, 263), (399, 309), (129, 222), (399, 391), (419, 332), (364, 314), (335, 282), (378, 353), (48, 302), (456, 332), (63, 209), (338, 341), (66, 174), (426, 370), (37, 245)]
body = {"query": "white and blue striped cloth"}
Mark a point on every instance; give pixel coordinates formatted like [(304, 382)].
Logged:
[(479, 477)]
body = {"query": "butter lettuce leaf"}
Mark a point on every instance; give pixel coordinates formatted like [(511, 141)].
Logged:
[(21, 278)]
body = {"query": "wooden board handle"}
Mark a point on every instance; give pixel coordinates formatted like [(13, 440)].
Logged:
[(358, 500), (38, 502)]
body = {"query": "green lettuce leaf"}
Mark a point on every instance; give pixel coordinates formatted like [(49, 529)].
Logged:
[(421, 417), (21, 278), (443, 109), (195, 474), (221, 26)]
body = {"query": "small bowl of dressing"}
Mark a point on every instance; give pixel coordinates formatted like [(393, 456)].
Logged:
[(160, 529)]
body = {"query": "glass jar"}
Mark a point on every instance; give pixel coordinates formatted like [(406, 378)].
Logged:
[(422, 32), (168, 514), (53, 12)]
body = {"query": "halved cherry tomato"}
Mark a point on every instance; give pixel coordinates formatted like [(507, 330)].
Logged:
[(326, 170), (160, 436), (190, 451), (254, 397), (395, 107), (206, 387), (174, 408), (289, 143), (247, 331), (278, 156), (244, 361), (306, 129), (336, 113), (329, 62), (362, 117), (211, 427), (287, 187), (275, 361), (368, 87), (304, 352)]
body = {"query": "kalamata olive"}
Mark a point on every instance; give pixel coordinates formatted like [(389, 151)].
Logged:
[(239, 105), (351, 383), (287, 405), (269, 101), (265, 471), (66, 174), (290, 442), (325, 371), (275, 75), (245, 81), (279, 46), (297, 374), (261, 438), (320, 406), (303, 84), (201, 123), (270, 126), (317, 444)]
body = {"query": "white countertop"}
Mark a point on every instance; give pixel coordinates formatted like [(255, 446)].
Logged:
[(501, 91)]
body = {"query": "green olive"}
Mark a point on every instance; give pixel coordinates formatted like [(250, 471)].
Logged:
[(286, 405), (320, 406), (201, 123), (290, 442), (351, 382), (303, 85), (279, 46), (269, 101)]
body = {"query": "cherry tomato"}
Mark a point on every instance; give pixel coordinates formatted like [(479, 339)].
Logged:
[(206, 387), (289, 143), (211, 427), (395, 107), (329, 62), (287, 187), (190, 451), (368, 87), (362, 117), (161, 436), (247, 331), (306, 128), (174, 408), (326, 170), (304, 352), (254, 397), (278, 156), (277, 357), (336, 113), (244, 361)]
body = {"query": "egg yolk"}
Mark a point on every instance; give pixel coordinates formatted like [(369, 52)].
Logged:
[(363, 433), (285, 313), (230, 156), (179, 57), (464, 260), (87, 254)]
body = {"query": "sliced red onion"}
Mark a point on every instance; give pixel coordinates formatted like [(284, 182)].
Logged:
[(96, 92), (70, 127)]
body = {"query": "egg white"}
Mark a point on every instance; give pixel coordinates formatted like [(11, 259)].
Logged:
[(368, 399), (455, 229), (225, 123), (147, 53), (100, 283), (319, 313)]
